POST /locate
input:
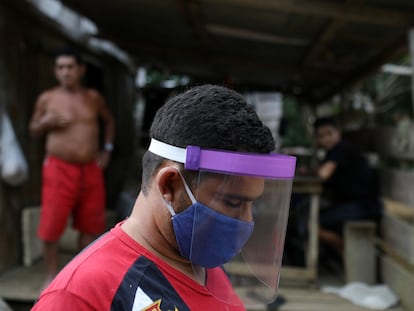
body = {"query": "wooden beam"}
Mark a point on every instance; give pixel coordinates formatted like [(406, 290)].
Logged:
[(399, 280), (319, 45), (202, 57), (411, 50), (368, 14), (360, 252), (191, 11), (397, 48), (397, 69), (250, 35)]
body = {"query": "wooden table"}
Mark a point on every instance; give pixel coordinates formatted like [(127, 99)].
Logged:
[(312, 186)]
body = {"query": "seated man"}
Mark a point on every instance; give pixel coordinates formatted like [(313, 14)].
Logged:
[(349, 184)]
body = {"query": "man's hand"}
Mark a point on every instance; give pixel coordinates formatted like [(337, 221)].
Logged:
[(103, 159), (326, 170), (56, 120)]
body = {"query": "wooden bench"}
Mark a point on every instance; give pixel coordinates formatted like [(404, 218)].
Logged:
[(397, 244), (359, 252)]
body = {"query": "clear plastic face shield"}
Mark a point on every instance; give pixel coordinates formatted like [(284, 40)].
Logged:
[(237, 219)]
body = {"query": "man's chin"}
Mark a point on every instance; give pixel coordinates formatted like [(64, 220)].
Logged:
[(67, 84)]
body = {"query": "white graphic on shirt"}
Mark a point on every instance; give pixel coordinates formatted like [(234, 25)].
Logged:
[(141, 300)]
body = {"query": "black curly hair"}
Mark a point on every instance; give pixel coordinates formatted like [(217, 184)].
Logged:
[(209, 116), (325, 121), (69, 51)]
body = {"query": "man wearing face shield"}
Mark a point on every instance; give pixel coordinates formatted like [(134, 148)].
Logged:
[(210, 218)]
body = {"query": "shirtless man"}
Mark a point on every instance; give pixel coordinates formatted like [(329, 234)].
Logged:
[(72, 178)]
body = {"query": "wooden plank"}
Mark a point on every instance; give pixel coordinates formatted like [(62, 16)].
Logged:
[(24, 283), (399, 235), (400, 280), (411, 50), (301, 277), (307, 274), (312, 251), (307, 299), (398, 209), (328, 9), (390, 252), (397, 185), (303, 184), (392, 142), (360, 254), (32, 248)]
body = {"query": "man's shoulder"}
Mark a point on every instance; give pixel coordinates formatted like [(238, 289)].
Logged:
[(93, 94), (48, 94)]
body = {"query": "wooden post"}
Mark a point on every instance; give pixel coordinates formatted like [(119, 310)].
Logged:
[(359, 255), (411, 48), (32, 247), (313, 225)]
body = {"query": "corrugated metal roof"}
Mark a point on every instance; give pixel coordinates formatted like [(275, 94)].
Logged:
[(311, 48)]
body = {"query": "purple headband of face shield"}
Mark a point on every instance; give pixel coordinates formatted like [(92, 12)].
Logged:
[(194, 158)]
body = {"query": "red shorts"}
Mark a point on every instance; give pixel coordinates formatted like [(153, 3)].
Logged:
[(71, 189)]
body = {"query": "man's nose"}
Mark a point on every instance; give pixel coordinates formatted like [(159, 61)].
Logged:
[(247, 214)]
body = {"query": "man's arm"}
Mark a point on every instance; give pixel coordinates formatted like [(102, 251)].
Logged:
[(38, 124), (109, 130), (42, 120), (326, 170), (108, 120)]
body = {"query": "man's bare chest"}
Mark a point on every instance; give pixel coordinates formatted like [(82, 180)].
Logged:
[(78, 107)]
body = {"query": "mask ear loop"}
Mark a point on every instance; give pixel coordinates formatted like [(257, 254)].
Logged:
[(189, 193), (170, 208), (187, 189)]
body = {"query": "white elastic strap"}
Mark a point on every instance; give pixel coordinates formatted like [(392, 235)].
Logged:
[(189, 193), (188, 190), (170, 208), (164, 150)]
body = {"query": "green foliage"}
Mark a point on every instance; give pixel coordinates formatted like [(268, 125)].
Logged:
[(296, 130), (391, 93), (157, 77)]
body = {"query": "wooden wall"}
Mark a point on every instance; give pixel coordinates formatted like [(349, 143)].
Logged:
[(27, 43), (395, 146), (394, 149)]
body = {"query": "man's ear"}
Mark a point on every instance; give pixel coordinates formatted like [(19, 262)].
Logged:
[(169, 183)]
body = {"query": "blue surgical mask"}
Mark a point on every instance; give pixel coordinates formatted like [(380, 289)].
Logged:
[(206, 237)]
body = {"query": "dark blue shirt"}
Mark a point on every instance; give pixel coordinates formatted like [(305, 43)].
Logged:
[(353, 178)]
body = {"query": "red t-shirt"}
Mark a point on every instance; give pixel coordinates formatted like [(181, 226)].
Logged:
[(117, 273)]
